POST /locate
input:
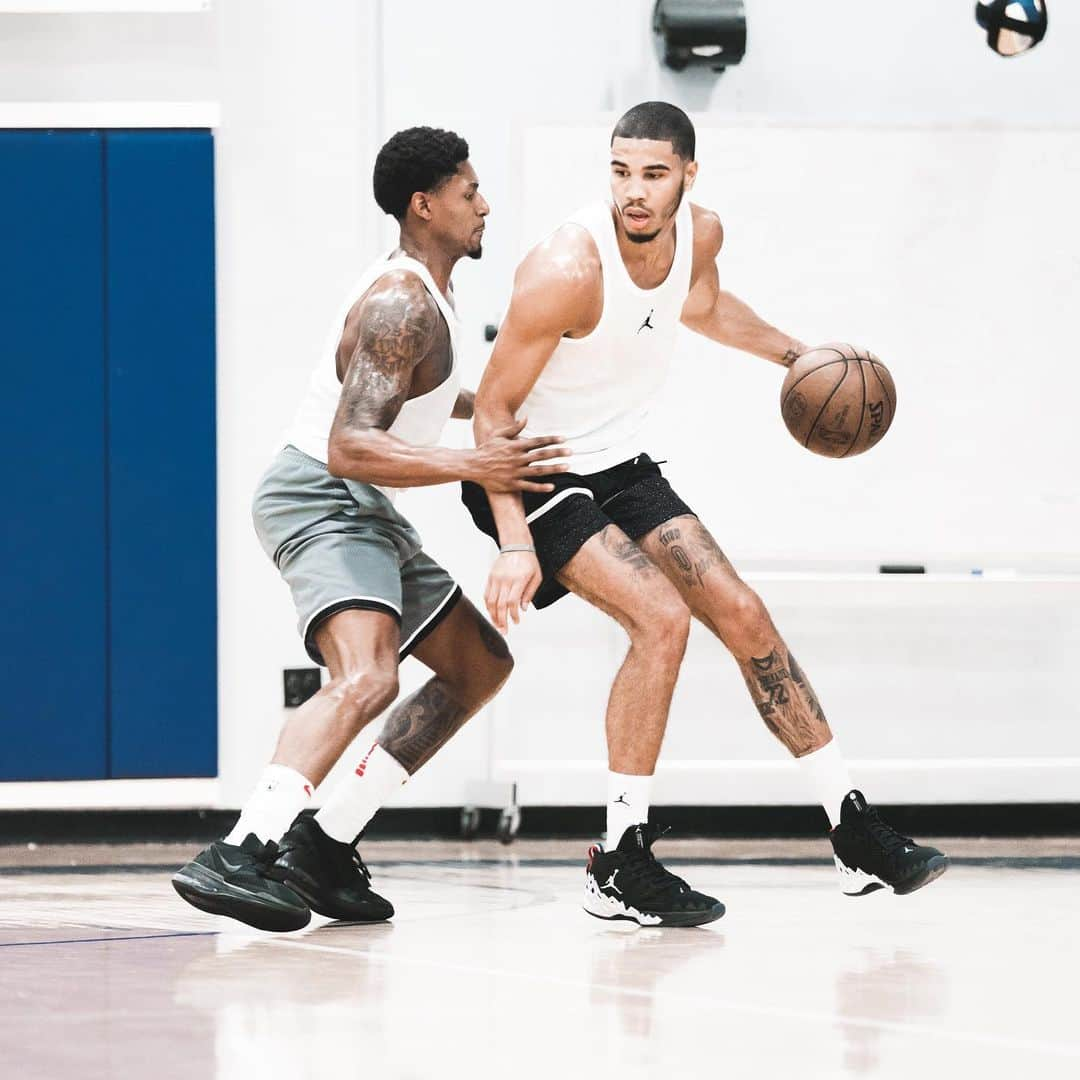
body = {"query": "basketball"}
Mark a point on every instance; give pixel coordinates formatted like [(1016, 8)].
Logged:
[(837, 400)]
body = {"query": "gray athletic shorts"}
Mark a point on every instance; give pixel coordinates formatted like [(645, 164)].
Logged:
[(341, 544)]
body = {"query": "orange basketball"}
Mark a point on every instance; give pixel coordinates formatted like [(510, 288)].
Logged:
[(837, 400)]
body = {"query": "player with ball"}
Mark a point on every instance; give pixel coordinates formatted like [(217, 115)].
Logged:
[(583, 352)]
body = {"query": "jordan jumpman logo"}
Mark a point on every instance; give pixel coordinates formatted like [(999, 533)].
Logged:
[(620, 799), (646, 323)]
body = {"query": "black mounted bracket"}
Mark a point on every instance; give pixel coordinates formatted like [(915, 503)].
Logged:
[(700, 33)]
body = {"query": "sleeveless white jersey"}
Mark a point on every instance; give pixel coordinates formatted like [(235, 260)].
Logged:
[(421, 419), (596, 391)]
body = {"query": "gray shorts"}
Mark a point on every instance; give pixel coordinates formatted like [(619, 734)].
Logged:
[(341, 544)]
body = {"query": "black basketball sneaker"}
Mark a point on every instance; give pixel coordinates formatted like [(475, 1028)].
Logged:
[(630, 883), (329, 875), (870, 854), (243, 883)]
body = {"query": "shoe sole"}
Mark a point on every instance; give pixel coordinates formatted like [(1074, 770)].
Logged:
[(301, 887), (934, 868), (210, 892), (602, 906), (670, 918)]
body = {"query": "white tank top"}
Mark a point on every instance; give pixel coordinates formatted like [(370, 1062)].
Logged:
[(421, 419), (596, 391)]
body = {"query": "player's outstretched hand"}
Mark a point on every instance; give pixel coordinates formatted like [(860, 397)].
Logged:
[(512, 584), (504, 463)]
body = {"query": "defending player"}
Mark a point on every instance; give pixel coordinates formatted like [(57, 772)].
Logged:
[(584, 349), (365, 593)]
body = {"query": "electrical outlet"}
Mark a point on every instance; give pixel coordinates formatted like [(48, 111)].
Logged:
[(300, 684)]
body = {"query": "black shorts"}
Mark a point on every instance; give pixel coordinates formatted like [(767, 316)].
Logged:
[(633, 495)]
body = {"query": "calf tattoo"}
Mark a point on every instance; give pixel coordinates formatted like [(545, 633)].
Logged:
[(422, 723), (799, 676), (786, 702)]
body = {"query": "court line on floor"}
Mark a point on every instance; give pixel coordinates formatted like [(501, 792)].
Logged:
[(119, 937), (1000, 862), (806, 1015), (525, 897)]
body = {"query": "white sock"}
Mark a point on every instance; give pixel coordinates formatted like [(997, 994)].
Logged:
[(627, 804), (827, 773), (279, 796), (355, 800)]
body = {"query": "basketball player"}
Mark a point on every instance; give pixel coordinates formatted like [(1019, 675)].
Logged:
[(365, 593), (584, 349)]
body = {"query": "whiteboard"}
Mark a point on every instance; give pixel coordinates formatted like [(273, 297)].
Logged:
[(952, 254)]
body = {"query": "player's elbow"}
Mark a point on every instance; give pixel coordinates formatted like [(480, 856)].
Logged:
[(336, 459), (346, 456)]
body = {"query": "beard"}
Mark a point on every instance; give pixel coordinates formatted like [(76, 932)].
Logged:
[(476, 252), (669, 213)]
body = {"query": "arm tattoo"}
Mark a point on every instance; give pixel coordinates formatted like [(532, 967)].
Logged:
[(790, 357), (396, 329), (785, 701), (421, 724)]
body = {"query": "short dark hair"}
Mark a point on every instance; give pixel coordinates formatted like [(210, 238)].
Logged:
[(416, 159), (661, 121)]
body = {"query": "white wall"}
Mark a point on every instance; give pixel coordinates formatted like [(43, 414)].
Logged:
[(108, 57), (966, 304), (889, 693), (309, 91)]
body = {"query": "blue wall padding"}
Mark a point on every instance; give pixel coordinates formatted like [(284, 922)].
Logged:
[(52, 542), (161, 461)]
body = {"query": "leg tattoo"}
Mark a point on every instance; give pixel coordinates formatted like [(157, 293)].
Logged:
[(786, 702), (624, 549), (421, 724), (799, 676), (693, 550), (493, 641)]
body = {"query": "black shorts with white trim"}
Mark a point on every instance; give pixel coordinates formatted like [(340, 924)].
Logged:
[(634, 495)]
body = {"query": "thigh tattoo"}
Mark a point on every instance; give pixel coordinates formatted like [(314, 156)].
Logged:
[(693, 550), (625, 550)]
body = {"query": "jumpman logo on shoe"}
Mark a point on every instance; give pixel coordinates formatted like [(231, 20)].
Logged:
[(620, 799), (610, 883), (647, 324)]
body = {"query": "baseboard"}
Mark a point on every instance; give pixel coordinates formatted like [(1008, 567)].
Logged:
[(570, 822)]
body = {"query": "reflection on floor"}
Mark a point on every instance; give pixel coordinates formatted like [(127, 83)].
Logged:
[(491, 969)]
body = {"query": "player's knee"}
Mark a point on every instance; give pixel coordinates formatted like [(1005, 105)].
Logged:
[(661, 623), (479, 681), (495, 672), (746, 619), (366, 692)]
